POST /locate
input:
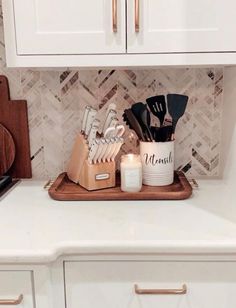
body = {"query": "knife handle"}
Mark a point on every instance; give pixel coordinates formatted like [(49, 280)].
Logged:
[(85, 116), (92, 134), (99, 150), (92, 152), (117, 149), (112, 113), (90, 119), (103, 152), (108, 150)]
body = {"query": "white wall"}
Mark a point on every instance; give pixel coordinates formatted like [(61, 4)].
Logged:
[(228, 162)]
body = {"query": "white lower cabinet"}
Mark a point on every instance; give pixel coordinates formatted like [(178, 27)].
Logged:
[(102, 284), (16, 289)]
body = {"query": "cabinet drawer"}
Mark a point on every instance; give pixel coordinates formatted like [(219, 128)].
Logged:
[(13, 284), (111, 284)]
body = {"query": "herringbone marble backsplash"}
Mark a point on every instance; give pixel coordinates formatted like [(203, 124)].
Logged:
[(56, 100)]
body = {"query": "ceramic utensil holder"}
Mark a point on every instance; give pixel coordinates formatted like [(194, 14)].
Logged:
[(157, 162), (89, 176)]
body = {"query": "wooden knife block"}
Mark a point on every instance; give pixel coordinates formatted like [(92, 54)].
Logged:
[(91, 177)]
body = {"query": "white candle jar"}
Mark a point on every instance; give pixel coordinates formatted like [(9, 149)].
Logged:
[(131, 173)]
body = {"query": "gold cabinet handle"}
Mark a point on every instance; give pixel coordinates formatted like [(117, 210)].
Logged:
[(114, 15), (160, 291), (17, 301), (136, 8)]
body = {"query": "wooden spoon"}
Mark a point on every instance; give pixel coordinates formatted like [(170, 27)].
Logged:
[(7, 150)]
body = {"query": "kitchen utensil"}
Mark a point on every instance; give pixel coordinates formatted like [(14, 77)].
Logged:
[(90, 118), (119, 144), (114, 122), (157, 105), (109, 150), (110, 117), (93, 132), (104, 150), (93, 150), (133, 123), (116, 131), (7, 150), (176, 106), (13, 116), (162, 134), (101, 112), (143, 116), (84, 120), (99, 150)]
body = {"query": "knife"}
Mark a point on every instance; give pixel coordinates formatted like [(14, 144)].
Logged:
[(104, 149), (93, 132), (108, 150), (117, 149), (91, 116), (99, 150), (112, 114), (93, 150), (84, 120), (111, 106)]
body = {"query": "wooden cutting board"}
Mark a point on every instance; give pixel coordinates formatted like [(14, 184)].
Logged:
[(7, 150), (14, 117)]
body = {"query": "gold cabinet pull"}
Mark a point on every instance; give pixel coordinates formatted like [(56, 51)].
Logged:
[(114, 15), (136, 8), (17, 301), (160, 291)]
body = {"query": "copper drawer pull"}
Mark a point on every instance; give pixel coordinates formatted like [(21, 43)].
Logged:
[(160, 291), (9, 302), (114, 15), (136, 15)]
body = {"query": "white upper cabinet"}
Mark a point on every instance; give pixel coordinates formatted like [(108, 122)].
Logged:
[(119, 33), (168, 26), (69, 27)]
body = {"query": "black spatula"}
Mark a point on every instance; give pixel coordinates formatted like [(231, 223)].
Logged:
[(176, 106), (157, 105), (143, 116)]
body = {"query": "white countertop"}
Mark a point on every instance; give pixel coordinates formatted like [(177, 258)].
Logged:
[(37, 229)]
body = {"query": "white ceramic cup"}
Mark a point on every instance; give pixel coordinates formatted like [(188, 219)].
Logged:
[(158, 163)]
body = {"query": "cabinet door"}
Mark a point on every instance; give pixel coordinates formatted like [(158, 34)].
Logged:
[(168, 26), (70, 27), (16, 289), (174, 284)]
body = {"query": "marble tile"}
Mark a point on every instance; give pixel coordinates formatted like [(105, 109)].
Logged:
[(56, 101)]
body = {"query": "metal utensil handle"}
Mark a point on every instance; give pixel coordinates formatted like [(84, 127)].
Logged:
[(160, 291), (17, 301), (114, 16), (136, 8)]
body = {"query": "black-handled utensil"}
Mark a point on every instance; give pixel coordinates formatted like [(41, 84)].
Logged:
[(157, 105), (142, 114), (162, 134), (176, 106), (133, 123)]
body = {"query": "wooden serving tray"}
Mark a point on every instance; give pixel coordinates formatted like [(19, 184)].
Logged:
[(65, 190)]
